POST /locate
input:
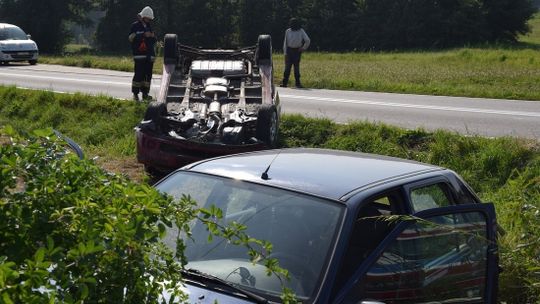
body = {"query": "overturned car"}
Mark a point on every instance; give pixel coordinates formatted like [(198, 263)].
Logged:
[(211, 102)]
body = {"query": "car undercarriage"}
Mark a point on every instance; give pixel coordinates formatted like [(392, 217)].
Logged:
[(215, 101)]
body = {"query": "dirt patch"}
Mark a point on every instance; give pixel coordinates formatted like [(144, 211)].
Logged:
[(128, 167), (5, 140)]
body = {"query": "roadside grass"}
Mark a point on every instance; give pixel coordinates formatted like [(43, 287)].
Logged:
[(488, 71), (117, 63), (474, 72), (505, 170), (103, 126)]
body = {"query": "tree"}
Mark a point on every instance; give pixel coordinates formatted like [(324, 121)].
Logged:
[(506, 19), (332, 24), (263, 17), (113, 30), (46, 20)]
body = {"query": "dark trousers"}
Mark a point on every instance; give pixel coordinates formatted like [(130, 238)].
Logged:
[(143, 76), (292, 59)]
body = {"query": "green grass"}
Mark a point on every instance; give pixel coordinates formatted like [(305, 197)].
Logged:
[(505, 170), (117, 63), (101, 125), (533, 37), (490, 73)]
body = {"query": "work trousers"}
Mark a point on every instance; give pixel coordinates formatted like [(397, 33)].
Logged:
[(143, 75), (292, 58)]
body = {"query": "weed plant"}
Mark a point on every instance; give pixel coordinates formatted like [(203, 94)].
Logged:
[(504, 170)]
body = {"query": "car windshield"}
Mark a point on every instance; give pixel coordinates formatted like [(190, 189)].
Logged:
[(301, 228), (12, 33)]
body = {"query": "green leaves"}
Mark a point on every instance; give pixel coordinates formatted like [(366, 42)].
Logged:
[(77, 232)]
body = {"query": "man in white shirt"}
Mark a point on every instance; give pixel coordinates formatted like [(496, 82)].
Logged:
[(296, 41)]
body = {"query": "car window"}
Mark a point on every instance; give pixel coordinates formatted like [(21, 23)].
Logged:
[(369, 230), (442, 259), (12, 33), (428, 197), (301, 228)]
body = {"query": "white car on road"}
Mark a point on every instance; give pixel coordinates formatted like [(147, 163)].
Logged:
[(16, 45)]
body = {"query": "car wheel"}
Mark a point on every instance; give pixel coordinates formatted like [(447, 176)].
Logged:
[(154, 174), (32, 62), (264, 50), (267, 125), (170, 49), (155, 111)]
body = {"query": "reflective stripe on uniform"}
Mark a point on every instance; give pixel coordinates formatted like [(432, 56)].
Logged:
[(145, 84), (136, 84)]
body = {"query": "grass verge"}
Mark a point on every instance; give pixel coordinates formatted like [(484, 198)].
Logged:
[(503, 170), (472, 72)]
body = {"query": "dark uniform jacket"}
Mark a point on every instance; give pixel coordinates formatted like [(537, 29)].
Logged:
[(142, 47)]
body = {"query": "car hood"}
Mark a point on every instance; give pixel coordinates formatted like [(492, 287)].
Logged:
[(229, 270), (199, 295), (18, 45)]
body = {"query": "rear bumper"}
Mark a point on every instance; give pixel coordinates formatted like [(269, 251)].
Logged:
[(165, 153)]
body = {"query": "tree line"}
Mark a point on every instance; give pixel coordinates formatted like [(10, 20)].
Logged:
[(333, 25)]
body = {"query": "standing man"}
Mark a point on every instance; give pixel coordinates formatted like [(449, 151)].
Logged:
[(143, 41), (296, 41)]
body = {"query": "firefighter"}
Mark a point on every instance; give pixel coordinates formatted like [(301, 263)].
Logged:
[(143, 41)]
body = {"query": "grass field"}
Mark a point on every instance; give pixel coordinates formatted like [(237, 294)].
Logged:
[(493, 71), (505, 171)]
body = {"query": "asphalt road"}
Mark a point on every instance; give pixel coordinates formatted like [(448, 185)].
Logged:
[(472, 116)]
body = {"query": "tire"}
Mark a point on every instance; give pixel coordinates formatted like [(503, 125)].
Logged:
[(155, 111), (264, 50), (267, 125), (32, 62), (170, 49), (154, 174)]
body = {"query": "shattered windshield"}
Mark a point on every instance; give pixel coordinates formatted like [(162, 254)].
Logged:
[(301, 228), (12, 33)]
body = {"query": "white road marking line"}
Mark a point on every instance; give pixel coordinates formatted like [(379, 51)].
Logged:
[(66, 79), (117, 83), (323, 99), (413, 106)]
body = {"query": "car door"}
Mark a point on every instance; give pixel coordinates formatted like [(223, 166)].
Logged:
[(437, 255)]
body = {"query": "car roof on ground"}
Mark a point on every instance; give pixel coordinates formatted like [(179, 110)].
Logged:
[(328, 173)]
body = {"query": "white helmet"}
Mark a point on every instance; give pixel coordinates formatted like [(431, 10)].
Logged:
[(147, 12)]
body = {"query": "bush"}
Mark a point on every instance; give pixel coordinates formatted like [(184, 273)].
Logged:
[(518, 209), (71, 232)]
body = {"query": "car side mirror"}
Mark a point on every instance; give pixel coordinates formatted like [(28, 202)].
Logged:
[(29, 36)]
